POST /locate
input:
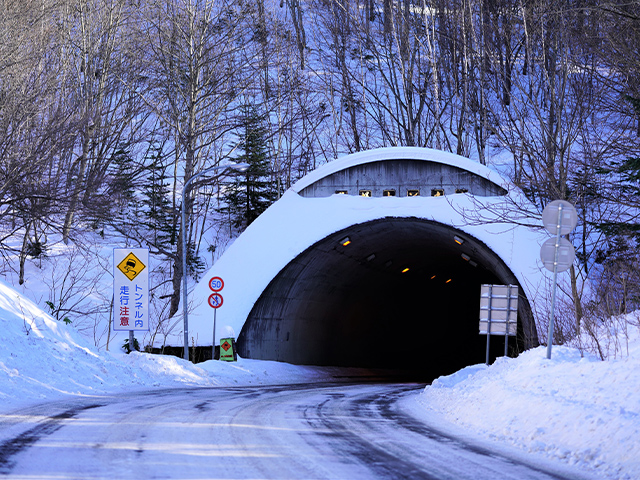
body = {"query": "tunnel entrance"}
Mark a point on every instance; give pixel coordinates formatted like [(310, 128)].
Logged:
[(395, 293)]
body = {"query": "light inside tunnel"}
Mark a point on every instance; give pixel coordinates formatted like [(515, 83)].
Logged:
[(345, 307)]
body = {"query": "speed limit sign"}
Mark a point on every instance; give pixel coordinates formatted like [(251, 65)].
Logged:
[(216, 284)]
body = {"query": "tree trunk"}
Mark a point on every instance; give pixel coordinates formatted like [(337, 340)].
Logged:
[(577, 301), (75, 195), (23, 252), (296, 18)]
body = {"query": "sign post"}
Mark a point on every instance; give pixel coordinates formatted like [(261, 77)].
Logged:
[(215, 301), (498, 313), (557, 254), (131, 291)]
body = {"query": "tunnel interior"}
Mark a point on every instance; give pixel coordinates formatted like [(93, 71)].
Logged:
[(398, 293)]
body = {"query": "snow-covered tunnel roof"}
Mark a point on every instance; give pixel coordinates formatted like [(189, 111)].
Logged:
[(295, 223), (393, 153)]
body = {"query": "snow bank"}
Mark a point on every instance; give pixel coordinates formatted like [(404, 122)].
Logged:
[(42, 359), (576, 408)]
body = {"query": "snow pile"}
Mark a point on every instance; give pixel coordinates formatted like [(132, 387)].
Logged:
[(576, 408), (42, 359)]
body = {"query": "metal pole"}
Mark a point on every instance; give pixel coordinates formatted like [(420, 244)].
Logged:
[(489, 323), (506, 330), (183, 234), (555, 281), (237, 166), (213, 344)]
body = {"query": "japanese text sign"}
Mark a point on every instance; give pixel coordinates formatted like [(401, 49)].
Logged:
[(131, 289)]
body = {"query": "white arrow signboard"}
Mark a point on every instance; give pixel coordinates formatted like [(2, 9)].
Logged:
[(131, 289)]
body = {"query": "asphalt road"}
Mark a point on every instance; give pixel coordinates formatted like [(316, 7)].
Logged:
[(308, 431)]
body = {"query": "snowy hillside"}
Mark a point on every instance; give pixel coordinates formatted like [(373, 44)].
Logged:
[(582, 411)]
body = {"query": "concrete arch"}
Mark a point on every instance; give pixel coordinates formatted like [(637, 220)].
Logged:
[(294, 293)]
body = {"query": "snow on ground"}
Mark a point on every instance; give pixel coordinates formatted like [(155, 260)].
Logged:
[(577, 409), (42, 359)]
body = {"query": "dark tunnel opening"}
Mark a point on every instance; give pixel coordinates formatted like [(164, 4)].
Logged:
[(398, 293)]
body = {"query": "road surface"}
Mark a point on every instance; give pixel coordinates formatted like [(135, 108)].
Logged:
[(306, 431)]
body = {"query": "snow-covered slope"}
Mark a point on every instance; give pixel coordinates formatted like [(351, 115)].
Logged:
[(42, 359)]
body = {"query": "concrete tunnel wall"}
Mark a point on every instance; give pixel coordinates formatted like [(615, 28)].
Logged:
[(294, 294), (354, 306)]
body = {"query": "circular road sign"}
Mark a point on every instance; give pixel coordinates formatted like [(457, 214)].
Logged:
[(568, 218), (566, 254), (216, 284), (215, 300)]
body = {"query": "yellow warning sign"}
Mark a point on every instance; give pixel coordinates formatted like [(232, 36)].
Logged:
[(131, 266)]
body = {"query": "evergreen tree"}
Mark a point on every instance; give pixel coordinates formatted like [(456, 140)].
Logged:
[(617, 285), (252, 191), (160, 219), (626, 175), (118, 203)]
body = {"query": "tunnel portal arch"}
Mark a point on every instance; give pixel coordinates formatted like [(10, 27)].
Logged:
[(402, 293), (320, 277)]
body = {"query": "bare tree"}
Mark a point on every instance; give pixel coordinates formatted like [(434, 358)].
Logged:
[(34, 120), (553, 112), (100, 71), (196, 70)]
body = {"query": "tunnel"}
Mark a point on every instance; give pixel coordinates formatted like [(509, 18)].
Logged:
[(376, 260), (396, 293)]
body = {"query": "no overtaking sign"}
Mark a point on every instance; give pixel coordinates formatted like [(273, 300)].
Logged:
[(215, 299)]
